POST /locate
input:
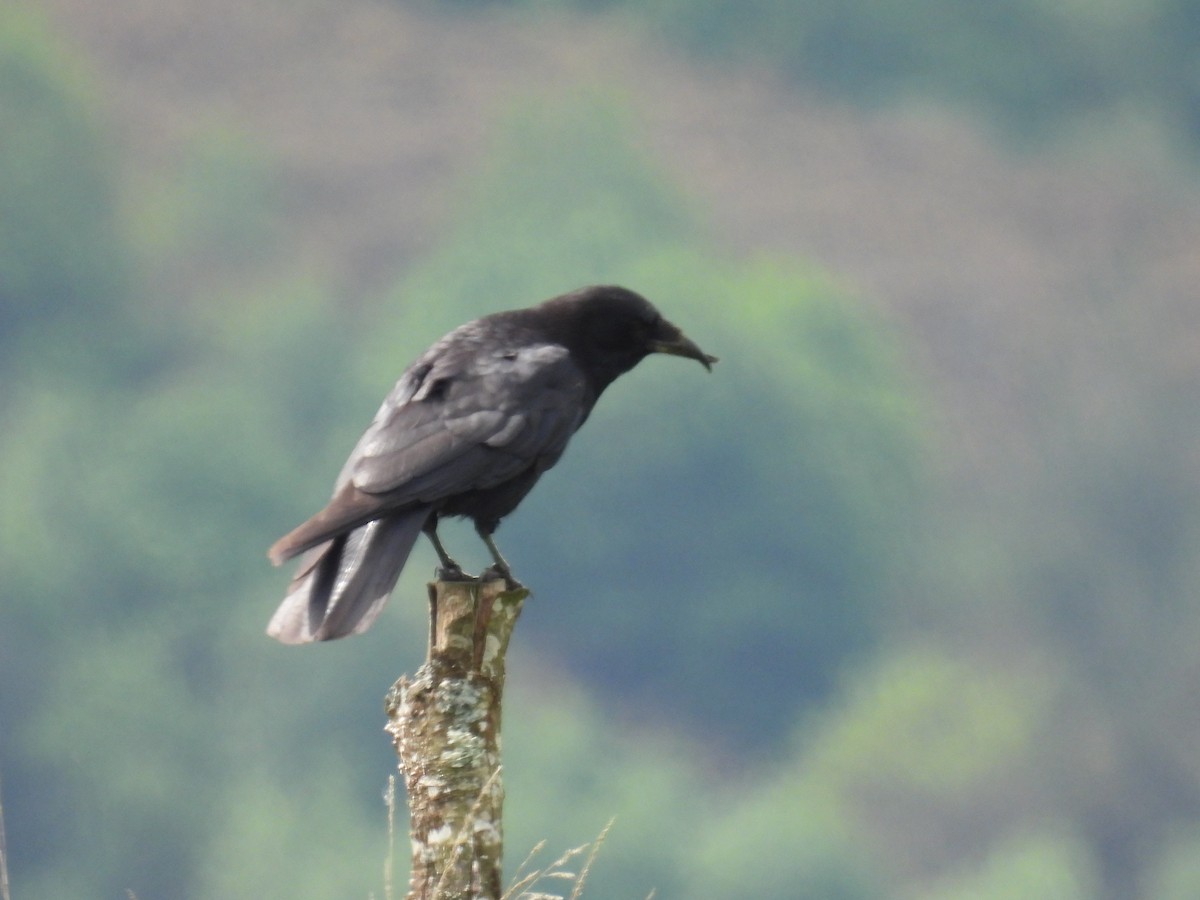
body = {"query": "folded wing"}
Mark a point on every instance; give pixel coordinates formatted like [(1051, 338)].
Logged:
[(456, 422)]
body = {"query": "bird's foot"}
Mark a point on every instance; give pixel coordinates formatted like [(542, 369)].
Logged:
[(452, 573), (493, 573)]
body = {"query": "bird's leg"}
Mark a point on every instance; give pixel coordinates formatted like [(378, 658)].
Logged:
[(501, 564), (449, 570)]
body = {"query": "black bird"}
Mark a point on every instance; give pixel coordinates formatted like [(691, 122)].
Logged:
[(467, 431)]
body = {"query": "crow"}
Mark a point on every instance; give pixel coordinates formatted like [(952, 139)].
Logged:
[(467, 431)]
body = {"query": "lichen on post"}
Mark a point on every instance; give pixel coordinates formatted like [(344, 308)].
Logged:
[(445, 726)]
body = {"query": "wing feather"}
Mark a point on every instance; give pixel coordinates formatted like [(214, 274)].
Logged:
[(526, 402), (457, 421)]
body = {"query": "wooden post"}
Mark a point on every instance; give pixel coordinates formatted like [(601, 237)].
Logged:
[(445, 726)]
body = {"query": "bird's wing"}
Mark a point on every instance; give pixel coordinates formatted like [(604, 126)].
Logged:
[(464, 417), (474, 420)]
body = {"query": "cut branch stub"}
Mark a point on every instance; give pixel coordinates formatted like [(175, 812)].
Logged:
[(445, 725)]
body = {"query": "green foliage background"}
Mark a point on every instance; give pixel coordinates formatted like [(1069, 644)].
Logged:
[(1035, 67), (761, 635)]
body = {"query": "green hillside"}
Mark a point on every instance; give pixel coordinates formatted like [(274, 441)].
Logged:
[(897, 603)]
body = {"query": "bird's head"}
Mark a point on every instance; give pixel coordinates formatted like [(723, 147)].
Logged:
[(612, 329)]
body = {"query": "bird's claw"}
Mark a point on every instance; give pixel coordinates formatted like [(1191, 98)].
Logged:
[(494, 573), (452, 573)]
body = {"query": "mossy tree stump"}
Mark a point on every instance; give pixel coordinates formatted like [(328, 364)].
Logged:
[(445, 726)]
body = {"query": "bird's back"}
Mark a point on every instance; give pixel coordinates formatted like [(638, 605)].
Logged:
[(466, 431)]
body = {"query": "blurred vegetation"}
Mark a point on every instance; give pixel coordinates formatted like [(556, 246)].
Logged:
[(762, 635), (1035, 67), (64, 268)]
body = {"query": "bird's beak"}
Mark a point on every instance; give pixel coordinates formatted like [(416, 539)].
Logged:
[(672, 341)]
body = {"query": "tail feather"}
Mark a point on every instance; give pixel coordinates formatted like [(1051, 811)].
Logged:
[(341, 586), (348, 509)]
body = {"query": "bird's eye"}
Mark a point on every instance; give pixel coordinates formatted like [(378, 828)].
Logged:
[(617, 333)]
